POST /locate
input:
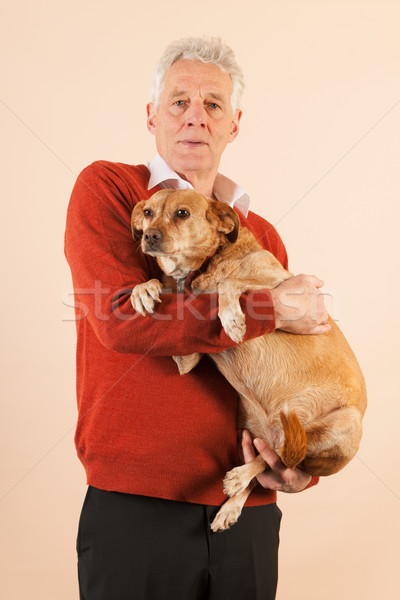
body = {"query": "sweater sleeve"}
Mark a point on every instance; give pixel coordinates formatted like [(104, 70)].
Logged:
[(106, 264)]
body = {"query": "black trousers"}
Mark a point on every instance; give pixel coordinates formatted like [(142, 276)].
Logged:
[(140, 548)]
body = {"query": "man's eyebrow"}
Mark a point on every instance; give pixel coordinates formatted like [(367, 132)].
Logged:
[(176, 93), (216, 97)]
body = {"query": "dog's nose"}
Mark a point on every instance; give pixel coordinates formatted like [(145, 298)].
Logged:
[(153, 236)]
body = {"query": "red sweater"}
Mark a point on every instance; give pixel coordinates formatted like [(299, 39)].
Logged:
[(142, 427)]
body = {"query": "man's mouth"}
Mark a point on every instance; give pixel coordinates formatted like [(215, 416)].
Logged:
[(193, 143)]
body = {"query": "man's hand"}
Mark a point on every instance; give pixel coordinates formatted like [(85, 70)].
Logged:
[(277, 477), (299, 306)]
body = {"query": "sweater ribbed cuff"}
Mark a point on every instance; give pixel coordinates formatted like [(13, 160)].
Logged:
[(259, 310)]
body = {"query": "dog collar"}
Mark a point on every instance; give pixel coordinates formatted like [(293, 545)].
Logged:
[(184, 283), (181, 283)]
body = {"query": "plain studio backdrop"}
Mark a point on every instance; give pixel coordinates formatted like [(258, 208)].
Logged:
[(318, 152)]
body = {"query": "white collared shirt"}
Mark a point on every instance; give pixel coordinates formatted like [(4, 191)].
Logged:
[(224, 189)]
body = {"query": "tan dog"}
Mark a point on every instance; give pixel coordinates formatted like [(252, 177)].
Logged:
[(308, 398)]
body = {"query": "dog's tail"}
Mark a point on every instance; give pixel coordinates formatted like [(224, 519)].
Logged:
[(295, 444)]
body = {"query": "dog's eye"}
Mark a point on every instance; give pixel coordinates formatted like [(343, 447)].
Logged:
[(182, 213), (147, 213)]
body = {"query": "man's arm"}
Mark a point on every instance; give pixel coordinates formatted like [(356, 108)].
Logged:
[(106, 264)]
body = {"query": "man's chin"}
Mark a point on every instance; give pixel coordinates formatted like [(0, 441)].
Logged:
[(191, 163)]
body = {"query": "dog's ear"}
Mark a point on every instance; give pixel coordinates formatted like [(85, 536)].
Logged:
[(227, 219), (137, 220)]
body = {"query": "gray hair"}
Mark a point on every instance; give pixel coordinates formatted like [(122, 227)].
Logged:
[(208, 50)]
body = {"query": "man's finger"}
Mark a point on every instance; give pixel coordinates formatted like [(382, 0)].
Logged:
[(323, 328), (318, 282), (269, 455), (313, 280), (247, 447)]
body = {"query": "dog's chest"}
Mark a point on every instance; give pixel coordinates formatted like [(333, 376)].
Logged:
[(170, 267)]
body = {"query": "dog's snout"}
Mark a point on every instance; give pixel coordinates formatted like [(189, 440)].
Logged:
[(153, 236)]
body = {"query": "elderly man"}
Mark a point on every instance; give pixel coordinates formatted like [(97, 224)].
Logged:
[(155, 445)]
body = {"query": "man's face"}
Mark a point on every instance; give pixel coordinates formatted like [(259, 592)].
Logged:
[(194, 120)]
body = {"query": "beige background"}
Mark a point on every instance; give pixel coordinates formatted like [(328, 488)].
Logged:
[(319, 154)]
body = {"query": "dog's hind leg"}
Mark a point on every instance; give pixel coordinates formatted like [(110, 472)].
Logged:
[(230, 511), (332, 441), (238, 479), (187, 363)]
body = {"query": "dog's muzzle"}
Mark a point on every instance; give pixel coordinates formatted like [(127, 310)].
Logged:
[(152, 239)]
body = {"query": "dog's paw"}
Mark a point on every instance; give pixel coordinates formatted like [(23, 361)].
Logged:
[(236, 481), (204, 284), (234, 323), (145, 295), (227, 516)]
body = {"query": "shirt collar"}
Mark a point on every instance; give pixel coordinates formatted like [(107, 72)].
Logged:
[(224, 189)]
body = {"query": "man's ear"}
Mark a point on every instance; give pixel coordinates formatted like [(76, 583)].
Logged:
[(151, 118), (137, 220), (235, 125), (227, 220)]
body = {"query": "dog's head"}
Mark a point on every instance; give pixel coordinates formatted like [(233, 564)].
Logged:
[(183, 225)]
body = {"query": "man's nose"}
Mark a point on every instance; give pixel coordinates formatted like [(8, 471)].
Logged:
[(196, 115)]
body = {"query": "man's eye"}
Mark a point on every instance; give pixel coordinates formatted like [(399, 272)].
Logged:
[(214, 105), (147, 213), (182, 213), (179, 103)]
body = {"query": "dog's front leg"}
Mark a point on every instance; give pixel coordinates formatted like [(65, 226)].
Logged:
[(229, 310), (145, 295)]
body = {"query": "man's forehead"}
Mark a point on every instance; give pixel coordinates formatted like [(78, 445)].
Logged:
[(186, 75)]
